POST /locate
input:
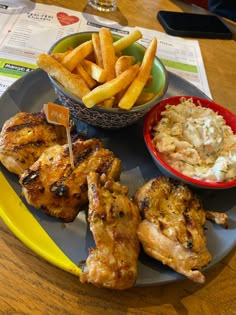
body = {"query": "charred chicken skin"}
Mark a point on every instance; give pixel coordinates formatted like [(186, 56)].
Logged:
[(113, 219), (23, 139), (51, 183), (172, 229)]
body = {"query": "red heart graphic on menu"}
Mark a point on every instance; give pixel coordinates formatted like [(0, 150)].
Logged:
[(66, 19)]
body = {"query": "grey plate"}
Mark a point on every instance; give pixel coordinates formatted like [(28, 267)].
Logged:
[(33, 90)]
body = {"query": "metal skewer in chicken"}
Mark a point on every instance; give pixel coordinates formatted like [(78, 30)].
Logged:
[(113, 219), (172, 229), (51, 183)]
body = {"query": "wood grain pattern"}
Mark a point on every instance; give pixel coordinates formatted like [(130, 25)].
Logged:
[(30, 285)]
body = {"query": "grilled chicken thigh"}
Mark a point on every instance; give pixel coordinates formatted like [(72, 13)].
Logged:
[(114, 219), (23, 139), (51, 183), (172, 227)]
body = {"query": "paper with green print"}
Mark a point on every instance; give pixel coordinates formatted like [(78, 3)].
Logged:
[(26, 34)]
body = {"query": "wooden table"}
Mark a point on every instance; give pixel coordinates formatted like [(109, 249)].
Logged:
[(30, 285)]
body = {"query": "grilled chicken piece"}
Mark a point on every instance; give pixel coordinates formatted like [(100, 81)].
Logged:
[(23, 139), (51, 184), (114, 219), (172, 227)]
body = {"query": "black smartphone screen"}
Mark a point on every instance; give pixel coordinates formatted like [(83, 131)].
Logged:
[(193, 25)]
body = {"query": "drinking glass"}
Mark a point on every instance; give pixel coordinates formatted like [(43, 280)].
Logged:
[(103, 5)]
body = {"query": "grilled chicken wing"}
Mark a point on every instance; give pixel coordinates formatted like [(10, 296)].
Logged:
[(172, 227), (51, 184), (23, 139), (114, 219)]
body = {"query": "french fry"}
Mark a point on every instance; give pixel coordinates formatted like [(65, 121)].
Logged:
[(110, 88), (71, 60), (123, 63), (72, 82), (91, 83), (149, 81), (136, 87), (59, 56), (97, 49), (107, 103), (94, 70), (108, 53), (144, 97), (126, 41)]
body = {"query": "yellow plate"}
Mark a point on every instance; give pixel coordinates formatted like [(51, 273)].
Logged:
[(23, 224)]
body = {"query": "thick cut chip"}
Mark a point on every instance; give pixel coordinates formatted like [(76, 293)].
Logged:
[(59, 56), (97, 49), (96, 72), (108, 53), (72, 82), (91, 83), (136, 87), (144, 97), (123, 63), (71, 60), (111, 88), (126, 41)]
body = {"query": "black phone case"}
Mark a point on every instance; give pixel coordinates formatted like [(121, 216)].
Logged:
[(193, 25)]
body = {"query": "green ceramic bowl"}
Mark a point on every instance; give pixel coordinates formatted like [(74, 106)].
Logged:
[(110, 118)]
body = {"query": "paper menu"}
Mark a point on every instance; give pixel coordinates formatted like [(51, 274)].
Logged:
[(23, 36), (182, 57)]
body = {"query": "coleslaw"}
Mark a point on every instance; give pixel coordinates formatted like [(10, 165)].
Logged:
[(196, 141)]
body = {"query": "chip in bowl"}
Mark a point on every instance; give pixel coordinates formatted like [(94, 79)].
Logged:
[(100, 87)]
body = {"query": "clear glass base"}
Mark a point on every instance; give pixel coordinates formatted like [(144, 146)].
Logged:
[(103, 6)]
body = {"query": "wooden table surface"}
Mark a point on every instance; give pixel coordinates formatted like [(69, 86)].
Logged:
[(30, 285)]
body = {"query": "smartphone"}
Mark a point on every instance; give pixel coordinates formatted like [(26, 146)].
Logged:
[(193, 25)]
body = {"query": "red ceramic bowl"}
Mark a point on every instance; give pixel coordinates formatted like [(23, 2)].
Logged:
[(154, 115)]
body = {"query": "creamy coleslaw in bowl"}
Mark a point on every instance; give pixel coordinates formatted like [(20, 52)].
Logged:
[(194, 139)]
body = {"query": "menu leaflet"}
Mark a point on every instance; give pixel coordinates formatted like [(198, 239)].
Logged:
[(26, 34)]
